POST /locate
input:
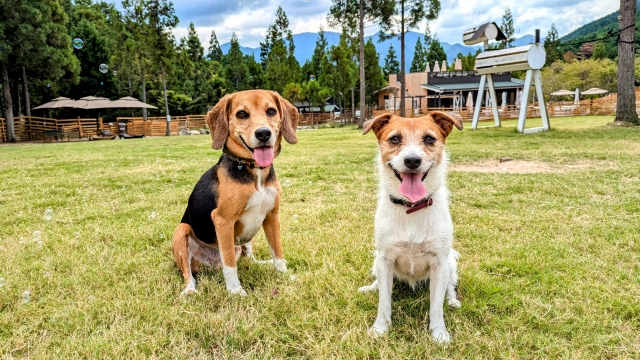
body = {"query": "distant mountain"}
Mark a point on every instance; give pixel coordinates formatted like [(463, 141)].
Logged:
[(306, 42), (597, 27)]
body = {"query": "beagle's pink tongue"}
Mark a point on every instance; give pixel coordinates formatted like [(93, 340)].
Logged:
[(412, 186), (263, 155)]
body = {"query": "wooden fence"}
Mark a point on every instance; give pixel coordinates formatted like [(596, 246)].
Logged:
[(157, 126), (33, 128)]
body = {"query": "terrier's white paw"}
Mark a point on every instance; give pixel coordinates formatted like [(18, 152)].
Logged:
[(239, 292), (280, 265), (368, 288), (454, 303), (378, 330), (441, 335)]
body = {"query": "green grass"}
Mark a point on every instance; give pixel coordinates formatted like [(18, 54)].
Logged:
[(550, 261)]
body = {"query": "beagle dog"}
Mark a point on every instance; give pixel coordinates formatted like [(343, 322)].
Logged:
[(240, 193), (413, 227)]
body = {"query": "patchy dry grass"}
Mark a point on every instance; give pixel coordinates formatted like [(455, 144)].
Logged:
[(549, 268)]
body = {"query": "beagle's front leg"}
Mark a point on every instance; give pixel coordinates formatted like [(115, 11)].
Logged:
[(225, 235), (271, 226)]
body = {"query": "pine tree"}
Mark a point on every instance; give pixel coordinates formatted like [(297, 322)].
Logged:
[(408, 15), (352, 14), (214, 52), (373, 73), (391, 65), (507, 29), (419, 62), (256, 74), (552, 46), (236, 71), (436, 52)]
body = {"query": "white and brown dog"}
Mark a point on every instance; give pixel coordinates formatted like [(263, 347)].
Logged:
[(240, 194), (413, 227)]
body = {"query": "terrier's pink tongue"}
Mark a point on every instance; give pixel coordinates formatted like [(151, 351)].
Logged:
[(412, 186), (263, 155)]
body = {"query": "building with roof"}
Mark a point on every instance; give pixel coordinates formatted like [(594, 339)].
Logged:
[(445, 89)]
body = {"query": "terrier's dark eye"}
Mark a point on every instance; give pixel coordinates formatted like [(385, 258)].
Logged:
[(271, 111), (395, 140), (429, 140), (242, 114)]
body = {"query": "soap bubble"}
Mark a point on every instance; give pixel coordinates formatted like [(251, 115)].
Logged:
[(26, 297), (76, 235), (104, 68), (36, 235), (1, 282), (312, 77), (310, 182), (152, 216), (78, 43), (48, 85), (295, 218), (47, 274), (101, 83), (48, 214), (115, 73)]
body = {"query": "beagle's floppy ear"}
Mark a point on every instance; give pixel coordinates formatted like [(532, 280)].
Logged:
[(218, 120), (289, 115), (376, 124), (446, 121)]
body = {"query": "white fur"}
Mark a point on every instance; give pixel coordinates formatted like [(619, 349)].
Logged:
[(232, 281), (420, 240), (258, 205)]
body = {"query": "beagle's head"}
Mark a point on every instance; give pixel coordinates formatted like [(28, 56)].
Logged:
[(252, 123), (410, 147)]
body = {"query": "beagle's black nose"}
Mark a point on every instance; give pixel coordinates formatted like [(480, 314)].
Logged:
[(263, 134), (412, 162)]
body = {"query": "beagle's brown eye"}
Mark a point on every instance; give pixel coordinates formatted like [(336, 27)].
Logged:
[(395, 140), (271, 111), (429, 140), (242, 114)]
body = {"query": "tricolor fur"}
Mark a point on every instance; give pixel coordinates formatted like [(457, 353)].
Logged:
[(241, 193), (414, 246)]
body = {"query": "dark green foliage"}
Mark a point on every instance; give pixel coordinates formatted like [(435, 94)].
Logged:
[(373, 73), (552, 46), (436, 52), (507, 29), (236, 71), (419, 58), (391, 64)]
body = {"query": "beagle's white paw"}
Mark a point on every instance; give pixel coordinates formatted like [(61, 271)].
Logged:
[(454, 303), (239, 292)]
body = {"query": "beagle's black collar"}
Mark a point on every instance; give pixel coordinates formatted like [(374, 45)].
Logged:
[(241, 162), (413, 207)]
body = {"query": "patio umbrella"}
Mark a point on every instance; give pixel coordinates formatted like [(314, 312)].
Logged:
[(470, 100), (129, 102), (58, 102), (91, 102), (444, 65), (562, 92), (458, 65), (594, 91), (436, 67), (576, 100), (504, 98), (428, 68)]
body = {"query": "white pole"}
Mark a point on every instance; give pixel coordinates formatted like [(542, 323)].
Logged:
[(524, 101), (494, 101), (476, 112)]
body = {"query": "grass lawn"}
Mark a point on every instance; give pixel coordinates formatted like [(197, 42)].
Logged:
[(549, 268)]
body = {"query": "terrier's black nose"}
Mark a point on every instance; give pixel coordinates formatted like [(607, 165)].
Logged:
[(412, 162), (263, 134)]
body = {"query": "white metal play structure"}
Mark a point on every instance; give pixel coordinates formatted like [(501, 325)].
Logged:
[(529, 57)]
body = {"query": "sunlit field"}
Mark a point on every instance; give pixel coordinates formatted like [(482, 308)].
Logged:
[(550, 264)]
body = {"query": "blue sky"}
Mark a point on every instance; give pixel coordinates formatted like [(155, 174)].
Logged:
[(249, 19)]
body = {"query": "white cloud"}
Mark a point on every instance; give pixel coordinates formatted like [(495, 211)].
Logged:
[(250, 19)]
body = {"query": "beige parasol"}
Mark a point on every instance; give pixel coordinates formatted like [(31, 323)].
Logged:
[(562, 92), (58, 102), (129, 102), (595, 91)]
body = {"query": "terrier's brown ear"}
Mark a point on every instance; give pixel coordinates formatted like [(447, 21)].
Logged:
[(446, 121), (289, 117), (218, 120), (376, 124)]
